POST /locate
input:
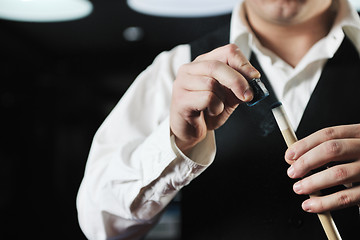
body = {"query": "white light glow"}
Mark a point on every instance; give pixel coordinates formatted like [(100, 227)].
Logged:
[(183, 8), (133, 34), (191, 8), (44, 10)]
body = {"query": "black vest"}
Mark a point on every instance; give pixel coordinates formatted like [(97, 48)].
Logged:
[(246, 193)]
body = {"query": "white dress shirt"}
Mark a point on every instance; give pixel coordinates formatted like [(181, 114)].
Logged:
[(134, 168)]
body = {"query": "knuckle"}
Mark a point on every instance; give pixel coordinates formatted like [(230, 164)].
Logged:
[(301, 163), (329, 133), (333, 148), (301, 166), (231, 49), (340, 173), (235, 52), (343, 199), (245, 64)]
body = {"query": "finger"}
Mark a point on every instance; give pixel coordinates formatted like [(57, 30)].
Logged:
[(342, 199), (329, 151), (334, 176), (215, 105), (198, 101), (191, 82), (204, 83), (225, 75), (232, 56), (304, 145), (200, 83)]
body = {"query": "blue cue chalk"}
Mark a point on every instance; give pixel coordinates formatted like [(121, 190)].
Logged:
[(259, 90)]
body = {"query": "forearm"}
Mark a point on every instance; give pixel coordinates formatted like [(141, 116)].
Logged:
[(119, 195), (179, 173), (114, 177), (134, 169)]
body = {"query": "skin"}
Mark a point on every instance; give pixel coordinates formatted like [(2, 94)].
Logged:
[(339, 149), (207, 90), (282, 24)]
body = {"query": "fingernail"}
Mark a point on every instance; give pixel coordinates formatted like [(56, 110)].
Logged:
[(307, 205), (248, 95), (297, 187), (254, 74), (291, 171), (290, 154)]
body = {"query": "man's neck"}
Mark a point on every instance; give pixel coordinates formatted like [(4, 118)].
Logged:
[(291, 43)]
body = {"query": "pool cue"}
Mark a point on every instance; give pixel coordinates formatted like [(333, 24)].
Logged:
[(289, 136)]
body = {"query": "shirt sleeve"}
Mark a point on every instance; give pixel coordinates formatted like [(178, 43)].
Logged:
[(134, 168)]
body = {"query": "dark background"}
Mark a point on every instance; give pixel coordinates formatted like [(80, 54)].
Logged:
[(58, 83)]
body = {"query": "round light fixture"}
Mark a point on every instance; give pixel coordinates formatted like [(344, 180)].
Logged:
[(183, 8), (133, 34), (44, 10)]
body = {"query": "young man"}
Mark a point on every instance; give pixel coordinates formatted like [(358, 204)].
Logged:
[(160, 137)]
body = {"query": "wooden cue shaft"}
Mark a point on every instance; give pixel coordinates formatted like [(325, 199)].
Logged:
[(289, 136)]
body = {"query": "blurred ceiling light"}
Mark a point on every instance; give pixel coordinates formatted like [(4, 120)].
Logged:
[(133, 34), (44, 10), (183, 8), (191, 8)]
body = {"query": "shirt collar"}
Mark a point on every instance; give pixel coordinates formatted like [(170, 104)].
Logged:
[(240, 30), (347, 20)]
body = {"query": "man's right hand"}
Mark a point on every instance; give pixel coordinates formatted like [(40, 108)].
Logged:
[(207, 91)]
